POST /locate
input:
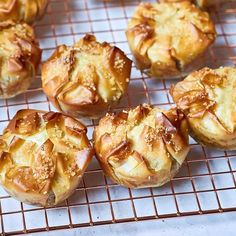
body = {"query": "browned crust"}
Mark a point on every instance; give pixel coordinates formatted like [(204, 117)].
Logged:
[(19, 10), (43, 156), (165, 38), (208, 97), (142, 147), (87, 90), (20, 57), (200, 3)]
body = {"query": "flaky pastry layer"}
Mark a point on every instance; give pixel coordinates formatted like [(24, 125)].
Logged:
[(87, 78), (19, 55), (141, 147), (166, 38), (207, 97), (43, 156), (22, 10)]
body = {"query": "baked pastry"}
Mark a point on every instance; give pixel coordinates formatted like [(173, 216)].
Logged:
[(22, 10), (200, 3), (43, 156), (87, 78), (20, 57), (142, 147), (166, 38), (208, 99)]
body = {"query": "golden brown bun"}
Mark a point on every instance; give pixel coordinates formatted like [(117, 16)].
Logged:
[(22, 10), (142, 147), (87, 78), (200, 3), (20, 57), (43, 156), (208, 99), (165, 38)]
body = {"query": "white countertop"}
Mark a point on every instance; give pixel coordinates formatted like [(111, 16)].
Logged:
[(215, 224)]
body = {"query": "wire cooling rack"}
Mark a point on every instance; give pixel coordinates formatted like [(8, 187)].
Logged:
[(206, 183)]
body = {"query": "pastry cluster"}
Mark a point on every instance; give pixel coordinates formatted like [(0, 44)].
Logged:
[(20, 57), (20, 52), (22, 10), (165, 38), (142, 147), (43, 156), (208, 100), (200, 3), (87, 78)]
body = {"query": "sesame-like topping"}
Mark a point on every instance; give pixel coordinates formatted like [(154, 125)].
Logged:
[(72, 170), (58, 133), (119, 64), (45, 169), (150, 137)]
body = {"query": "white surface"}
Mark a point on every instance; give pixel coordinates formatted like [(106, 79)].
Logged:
[(216, 224)]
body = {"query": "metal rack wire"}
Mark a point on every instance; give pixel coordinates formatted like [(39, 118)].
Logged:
[(206, 183)]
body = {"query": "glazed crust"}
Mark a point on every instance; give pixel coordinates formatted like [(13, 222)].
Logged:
[(20, 57), (142, 147), (43, 156), (166, 38), (22, 10), (86, 79), (208, 99)]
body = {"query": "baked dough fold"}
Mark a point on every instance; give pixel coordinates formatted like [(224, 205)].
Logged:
[(207, 98), (141, 147), (166, 38), (87, 78), (22, 10), (43, 156), (19, 58)]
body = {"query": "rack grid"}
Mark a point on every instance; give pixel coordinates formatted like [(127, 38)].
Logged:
[(207, 181)]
